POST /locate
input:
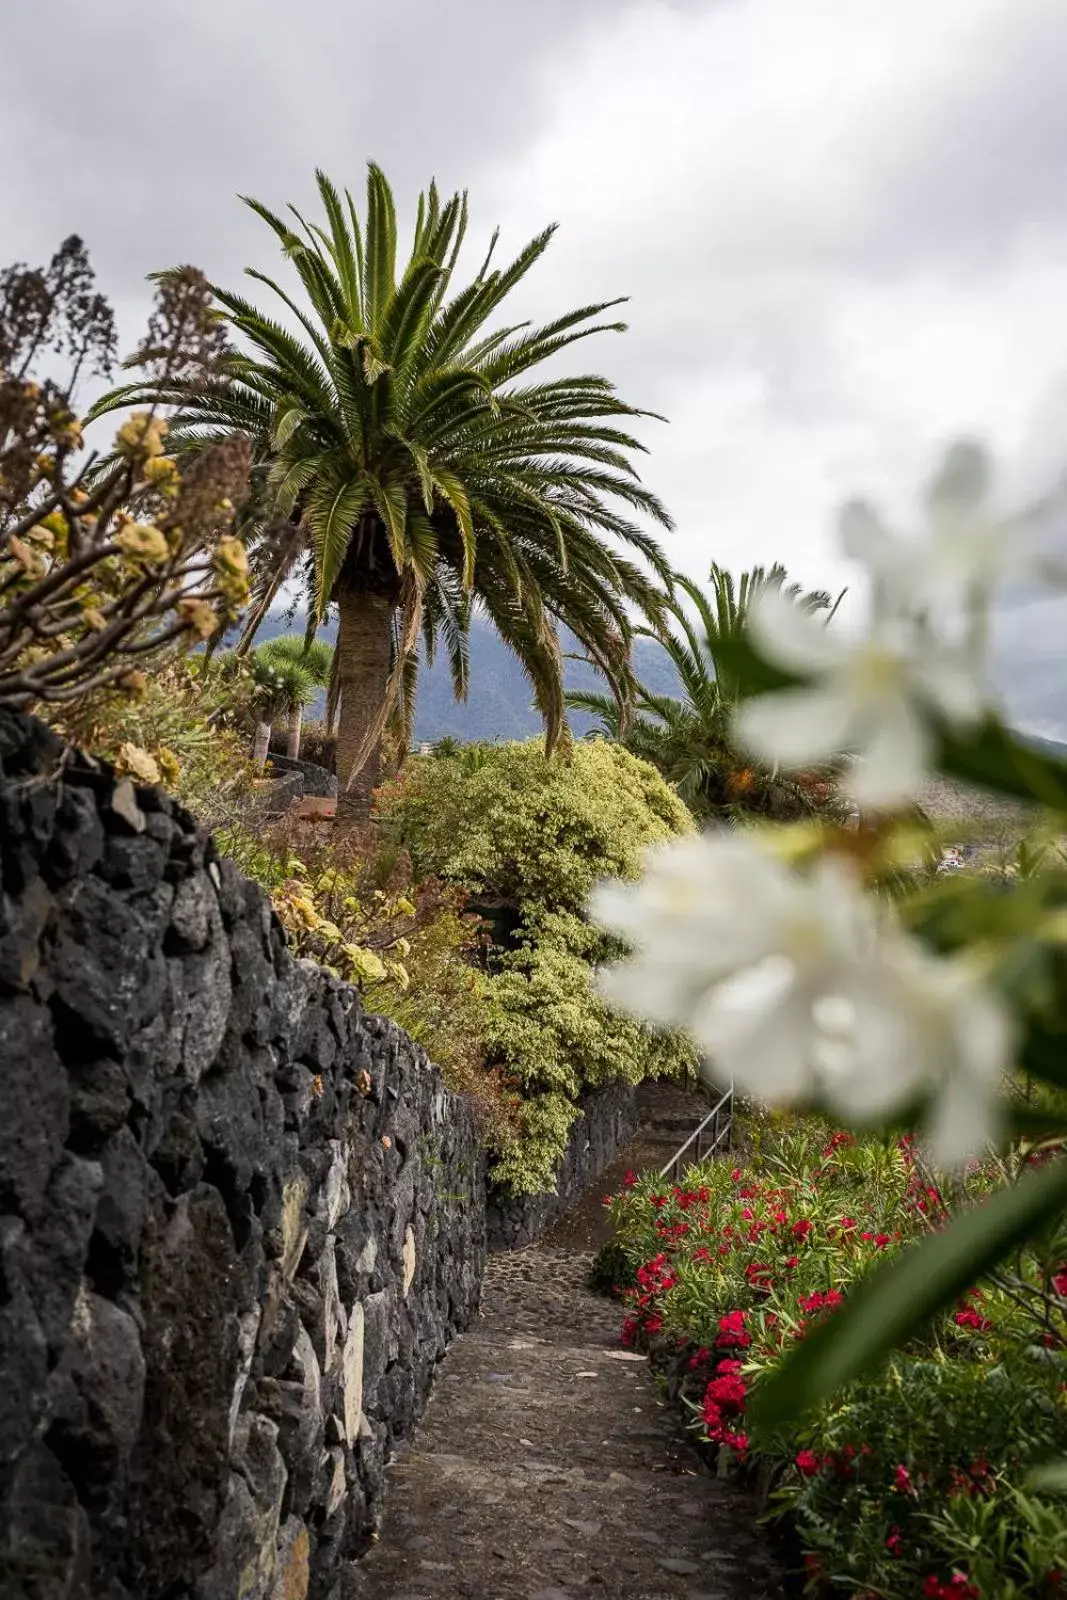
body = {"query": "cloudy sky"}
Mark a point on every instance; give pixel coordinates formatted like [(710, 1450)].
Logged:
[(842, 223)]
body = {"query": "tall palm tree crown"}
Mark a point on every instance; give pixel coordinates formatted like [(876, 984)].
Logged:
[(414, 468)]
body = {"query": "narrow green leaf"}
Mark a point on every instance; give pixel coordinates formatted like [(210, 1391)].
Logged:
[(993, 758), (736, 659), (1052, 1477), (895, 1302)]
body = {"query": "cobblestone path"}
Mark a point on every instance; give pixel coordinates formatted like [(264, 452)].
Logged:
[(547, 1466)]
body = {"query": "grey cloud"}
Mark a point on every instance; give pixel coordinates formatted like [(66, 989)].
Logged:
[(147, 123)]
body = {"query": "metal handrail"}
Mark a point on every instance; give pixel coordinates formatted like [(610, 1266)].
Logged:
[(726, 1099)]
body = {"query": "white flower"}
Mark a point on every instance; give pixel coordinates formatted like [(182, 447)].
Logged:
[(871, 695), (799, 988), (737, 948), (966, 551)]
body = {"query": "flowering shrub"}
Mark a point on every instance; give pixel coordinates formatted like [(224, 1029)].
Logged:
[(104, 567), (817, 965), (887, 1484)]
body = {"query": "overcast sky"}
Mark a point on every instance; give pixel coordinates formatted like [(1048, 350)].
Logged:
[(842, 223)]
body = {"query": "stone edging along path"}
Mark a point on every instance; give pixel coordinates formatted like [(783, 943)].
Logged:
[(550, 1467)]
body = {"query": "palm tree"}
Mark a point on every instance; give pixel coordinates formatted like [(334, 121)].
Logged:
[(688, 736), (283, 680), (302, 667), (413, 467)]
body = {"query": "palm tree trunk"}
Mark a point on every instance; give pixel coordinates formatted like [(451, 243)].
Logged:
[(296, 717), (363, 651), (261, 744)]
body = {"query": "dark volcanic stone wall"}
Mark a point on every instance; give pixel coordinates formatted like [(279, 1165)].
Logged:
[(240, 1220), (608, 1120)]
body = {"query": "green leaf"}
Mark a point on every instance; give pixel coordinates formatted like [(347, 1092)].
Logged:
[(736, 659), (1044, 1054), (994, 758), (1052, 1477), (895, 1302)]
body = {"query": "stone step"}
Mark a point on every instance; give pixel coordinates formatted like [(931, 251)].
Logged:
[(462, 1527)]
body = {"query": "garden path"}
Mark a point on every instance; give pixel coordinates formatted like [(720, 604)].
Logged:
[(549, 1467)]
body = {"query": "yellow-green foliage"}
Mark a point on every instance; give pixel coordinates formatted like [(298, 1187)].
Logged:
[(538, 830), (534, 834)]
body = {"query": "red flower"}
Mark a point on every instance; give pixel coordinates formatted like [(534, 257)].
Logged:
[(958, 1587), (881, 1240), (735, 1176), (848, 1222), (1059, 1282), (801, 1229), (653, 1324), (902, 1480), (728, 1393), (629, 1179), (792, 1261), (894, 1542), (807, 1463), (971, 1319), (658, 1200), (731, 1335), (699, 1357)]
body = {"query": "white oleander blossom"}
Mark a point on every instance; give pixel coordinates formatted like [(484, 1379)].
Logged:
[(872, 696), (923, 655), (967, 549), (798, 987)]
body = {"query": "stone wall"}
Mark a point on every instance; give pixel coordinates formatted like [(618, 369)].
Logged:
[(609, 1119), (240, 1219), (313, 781)]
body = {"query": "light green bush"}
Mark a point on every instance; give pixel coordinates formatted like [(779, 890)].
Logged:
[(531, 835)]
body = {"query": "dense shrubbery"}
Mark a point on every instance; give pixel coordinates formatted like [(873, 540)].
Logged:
[(528, 836), (408, 943), (914, 1480)]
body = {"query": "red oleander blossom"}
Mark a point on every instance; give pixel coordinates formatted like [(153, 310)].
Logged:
[(728, 1393), (801, 1229), (808, 1463), (968, 1318), (902, 1479), (629, 1179), (895, 1543), (958, 1587), (732, 1334)]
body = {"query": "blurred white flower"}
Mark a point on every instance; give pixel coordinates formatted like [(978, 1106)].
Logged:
[(798, 986), (734, 946), (871, 696), (934, 1031)]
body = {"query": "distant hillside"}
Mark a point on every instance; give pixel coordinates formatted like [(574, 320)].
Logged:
[(500, 704)]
